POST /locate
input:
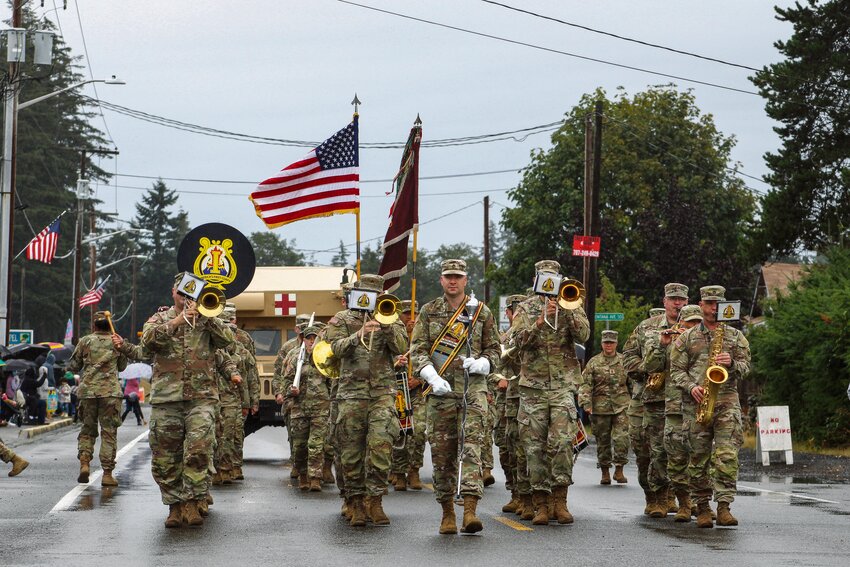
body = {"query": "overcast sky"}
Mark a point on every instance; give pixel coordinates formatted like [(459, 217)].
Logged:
[(289, 69)]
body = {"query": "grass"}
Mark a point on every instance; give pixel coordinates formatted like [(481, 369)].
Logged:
[(803, 447)]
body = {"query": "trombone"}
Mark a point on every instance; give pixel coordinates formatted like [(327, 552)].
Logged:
[(570, 296), (387, 311)]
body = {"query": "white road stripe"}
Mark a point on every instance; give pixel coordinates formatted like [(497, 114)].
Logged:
[(75, 492), (788, 494)]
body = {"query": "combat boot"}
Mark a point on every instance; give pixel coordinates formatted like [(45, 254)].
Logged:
[(551, 506), (376, 511), (315, 484), (413, 480), (619, 476), (400, 484), (489, 479), (175, 515), (391, 478), (683, 514), (511, 506), (448, 523), (83, 477), (704, 516), (191, 515), (203, 508), (650, 501), (527, 507), (327, 474), (18, 465), (238, 474), (345, 511), (216, 478), (293, 473), (210, 500), (724, 515), (658, 508), (671, 501), (471, 523), (562, 513), (541, 505), (303, 482), (606, 476), (226, 476), (358, 512), (108, 479)]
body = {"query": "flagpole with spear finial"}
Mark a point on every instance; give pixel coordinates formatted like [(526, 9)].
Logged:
[(356, 103), (418, 124)]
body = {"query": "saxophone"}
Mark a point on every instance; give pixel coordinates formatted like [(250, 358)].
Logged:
[(655, 381), (715, 375)]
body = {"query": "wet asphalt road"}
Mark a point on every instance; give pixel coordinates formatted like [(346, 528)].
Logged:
[(265, 521)]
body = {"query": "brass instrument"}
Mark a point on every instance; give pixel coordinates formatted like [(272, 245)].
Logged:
[(387, 311), (655, 381), (326, 363), (211, 302), (570, 296), (715, 375)]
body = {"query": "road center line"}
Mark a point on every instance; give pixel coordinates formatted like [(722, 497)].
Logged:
[(513, 524), (788, 494), (75, 492)]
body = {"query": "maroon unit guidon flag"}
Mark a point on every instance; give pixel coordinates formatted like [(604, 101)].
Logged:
[(404, 213), (43, 246), (325, 182)]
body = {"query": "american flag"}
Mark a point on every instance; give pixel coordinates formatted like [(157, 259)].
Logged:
[(93, 297), (43, 246), (325, 182)]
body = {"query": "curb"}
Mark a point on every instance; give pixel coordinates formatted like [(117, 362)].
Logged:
[(41, 429)]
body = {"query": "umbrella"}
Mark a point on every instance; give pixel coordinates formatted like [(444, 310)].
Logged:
[(26, 351), (53, 346), (4, 352), (136, 370), (18, 364), (62, 354)]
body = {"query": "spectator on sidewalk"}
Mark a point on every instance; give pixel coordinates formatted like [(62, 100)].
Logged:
[(36, 406), (65, 397), (131, 397)]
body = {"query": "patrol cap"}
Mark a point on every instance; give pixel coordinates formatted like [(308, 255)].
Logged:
[(405, 306), (100, 316), (656, 311), (301, 321), (313, 329), (371, 282), (609, 336), (512, 300), (453, 267), (548, 266), (712, 293), (676, 290), (227, 313), (690, 313)]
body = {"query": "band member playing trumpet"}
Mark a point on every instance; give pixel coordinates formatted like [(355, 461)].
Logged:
[(549, 378), (366, 425), (693, 354)]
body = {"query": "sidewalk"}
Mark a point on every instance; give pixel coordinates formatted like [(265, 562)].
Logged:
[(28, 432)]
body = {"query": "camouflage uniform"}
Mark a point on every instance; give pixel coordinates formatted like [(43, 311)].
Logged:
[(412, 455), (184, 395), (366, 424), (233, 398), (518, 466), (6, 454), (250, 387), (287, 347), (604, 391), (688, 361), (444, 413), (548, 381), (100, 395)]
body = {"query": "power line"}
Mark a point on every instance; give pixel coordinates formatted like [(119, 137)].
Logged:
[(91, 73), (551, 50), (624, 38)]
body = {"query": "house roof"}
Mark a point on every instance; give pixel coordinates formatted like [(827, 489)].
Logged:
[(777, 276)]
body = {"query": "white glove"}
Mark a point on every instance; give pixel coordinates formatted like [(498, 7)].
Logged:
[(438, 385), (477, 365)]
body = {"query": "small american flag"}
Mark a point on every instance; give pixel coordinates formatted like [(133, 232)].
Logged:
[(43, 246), (325, 182), (93, 297)]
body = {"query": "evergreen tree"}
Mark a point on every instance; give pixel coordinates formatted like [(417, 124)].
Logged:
[(341, 257), (273, 250)]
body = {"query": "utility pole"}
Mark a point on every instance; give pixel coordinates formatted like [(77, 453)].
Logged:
[(588, 195), (486, 247), (593, 266), (133, 305)]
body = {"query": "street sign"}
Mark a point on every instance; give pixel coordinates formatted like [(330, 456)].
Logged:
[(774, 434), (586, 246), (21, 336), (609, 316), (504, 324)]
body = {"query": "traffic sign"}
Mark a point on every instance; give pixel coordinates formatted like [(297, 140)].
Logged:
[(609, 316), (21, 336)]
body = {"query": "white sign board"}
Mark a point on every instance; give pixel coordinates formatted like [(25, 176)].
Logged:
[(504, 324), (774, 433)]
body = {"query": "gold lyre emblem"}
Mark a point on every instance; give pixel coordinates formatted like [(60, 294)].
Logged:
[(548, 285), (215, 262), (363, 301), (190, 287), (729, 312)]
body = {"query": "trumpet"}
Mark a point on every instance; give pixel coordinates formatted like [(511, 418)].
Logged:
[(211, 302), (387, 312), (570, 296)]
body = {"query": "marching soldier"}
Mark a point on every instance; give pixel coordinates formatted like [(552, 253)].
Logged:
[(287, 347), (100, 397), (310, 406), (366, 424), (332, 451), (9, 456), (605, 397), (549, 377), (183, 396), (250, 390), (508, 370), (455, 338), (409, 459), (658, 499), (716, 343)]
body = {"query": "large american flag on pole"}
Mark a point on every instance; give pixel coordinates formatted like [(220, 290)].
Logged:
[(43, 246), (325, 182), (93, 296)]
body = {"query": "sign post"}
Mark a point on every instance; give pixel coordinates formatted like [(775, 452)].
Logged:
[(774, 434)]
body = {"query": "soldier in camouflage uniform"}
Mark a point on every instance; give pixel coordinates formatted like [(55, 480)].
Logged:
[(310, 406), (409, 459), (287, 347), (688, 362), (442, 356), (331, 441), (549, 378), (508, 371), (678, 412), (8, 456), (184, 394), (250, 389), (659, 499), (100, 395), (604, 396), (366, 425)]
